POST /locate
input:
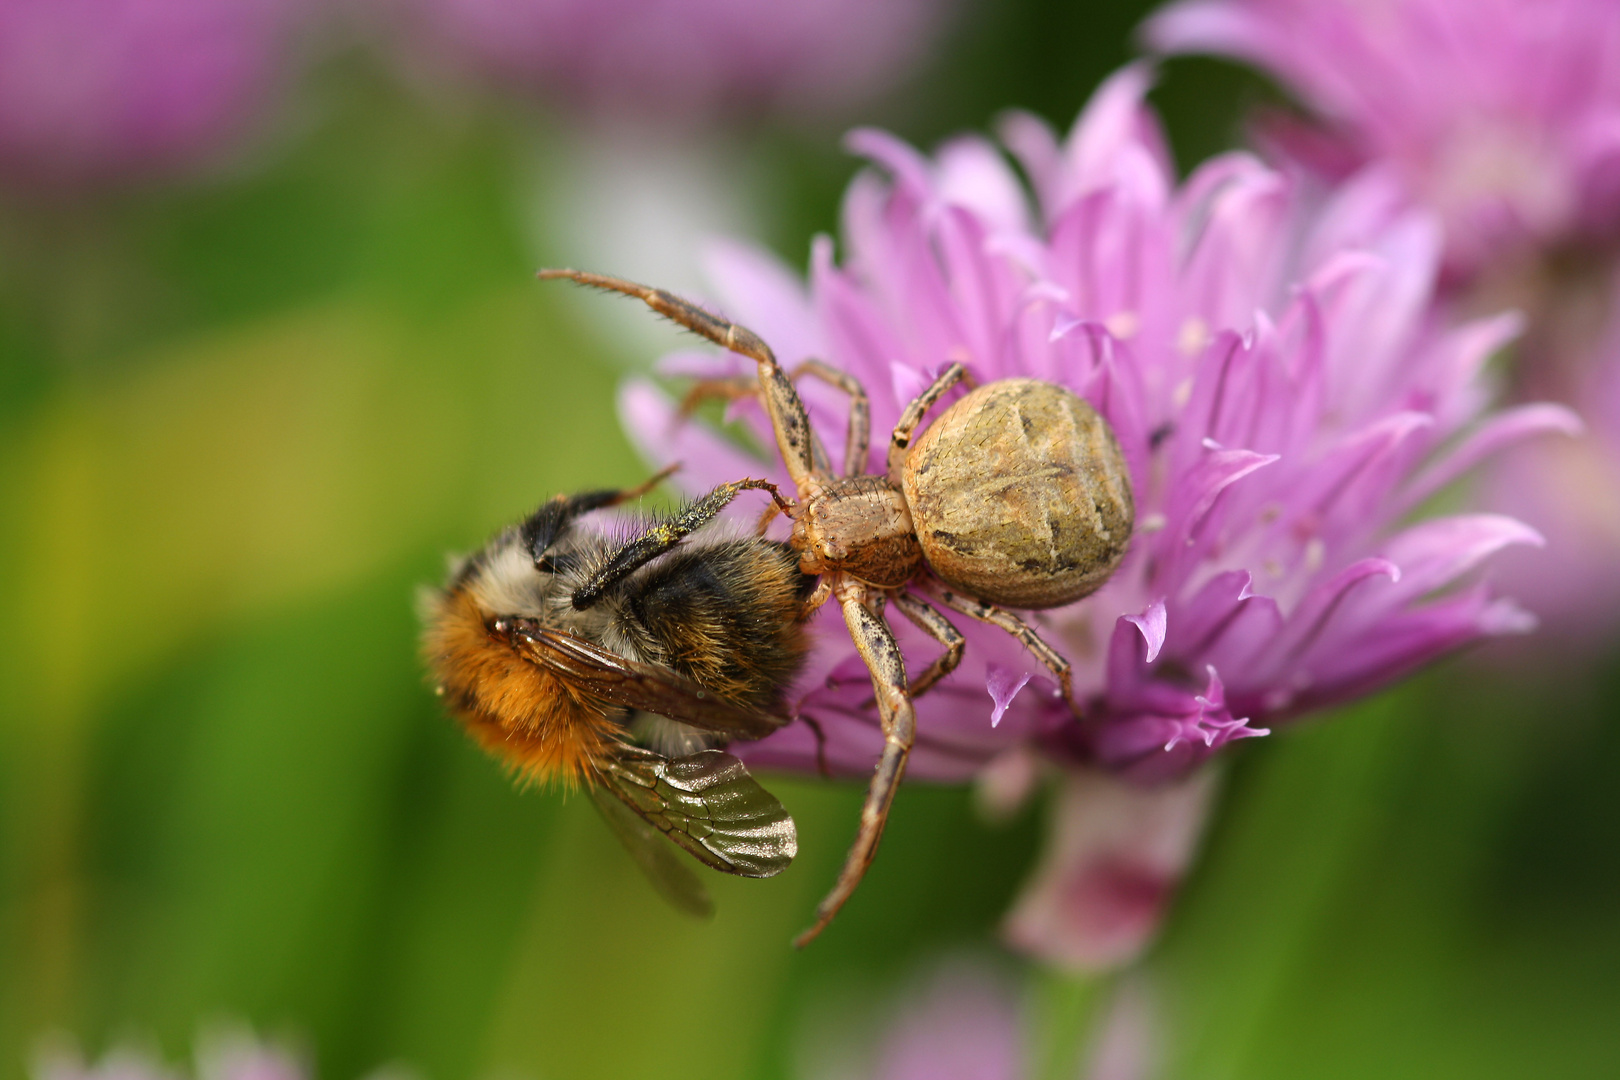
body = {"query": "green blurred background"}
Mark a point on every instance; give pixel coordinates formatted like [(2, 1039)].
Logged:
[(241, 421)]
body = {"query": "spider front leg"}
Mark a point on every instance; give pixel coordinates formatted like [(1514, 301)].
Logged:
[(788, 418), (818, 596), (1049, 657), (900, 439), (876, 644)]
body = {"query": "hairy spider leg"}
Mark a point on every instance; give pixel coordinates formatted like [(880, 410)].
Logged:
[(900, 439), (858, 435), (735, 388), (788, 418), (1053, 661), (938, 627), (877, 647), (820, 595)]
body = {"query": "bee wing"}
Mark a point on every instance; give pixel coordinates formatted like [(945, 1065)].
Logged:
[(609, 677), (672, 878), (709, 805)]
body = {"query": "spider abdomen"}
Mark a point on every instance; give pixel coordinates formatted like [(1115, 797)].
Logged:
[(1020, 495)]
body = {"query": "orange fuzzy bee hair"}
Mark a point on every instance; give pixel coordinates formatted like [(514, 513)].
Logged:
[(533, 721)]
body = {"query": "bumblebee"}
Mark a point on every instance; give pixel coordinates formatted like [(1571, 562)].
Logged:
[(624, 665)]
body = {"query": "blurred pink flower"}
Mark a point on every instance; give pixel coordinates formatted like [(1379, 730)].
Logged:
[(233, 1054), (1285, 400), (962, 1025), (968, 1022), (686, 57), (1570, 488), (1501, 115), (90, 88), (1112, 864)]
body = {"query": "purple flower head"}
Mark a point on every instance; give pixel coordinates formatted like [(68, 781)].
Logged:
[(1501, 115), (95, 87), (686, 57), (1504, 118), (1284, 399)]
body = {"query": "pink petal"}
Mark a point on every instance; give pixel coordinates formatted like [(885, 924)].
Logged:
[(1105, 127), (1207, 26), (1152, 623), (1434, 553), (1498, 433), (1003, 684), (767, 296), (962, 1026), (895, 155), (1216, 470)]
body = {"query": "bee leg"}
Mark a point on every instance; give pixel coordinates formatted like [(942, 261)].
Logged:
[(788, 418), (859, 435), (664, 535), (540, 529), (1026, 635), (900, 440), (938, 627), (877, 647)]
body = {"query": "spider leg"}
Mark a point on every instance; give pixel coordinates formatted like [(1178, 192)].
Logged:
[(900, 440), (727, 390), (788, 418), (938, 627), (877, 647), (1053, 660), (859, 435), (856, 440)]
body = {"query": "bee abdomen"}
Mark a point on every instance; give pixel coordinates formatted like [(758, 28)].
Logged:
[(727, 616)]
